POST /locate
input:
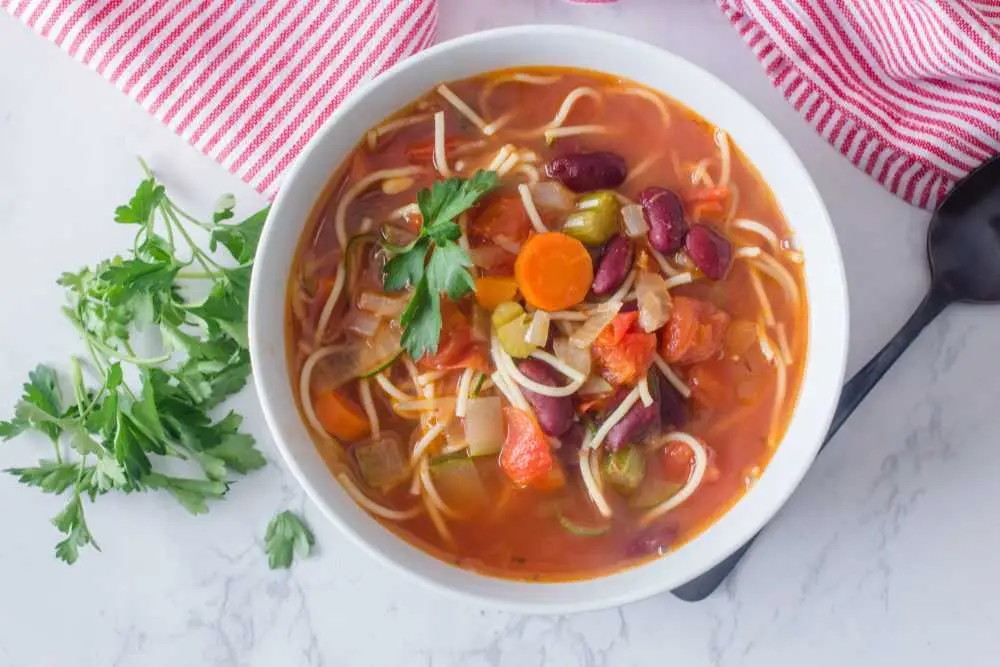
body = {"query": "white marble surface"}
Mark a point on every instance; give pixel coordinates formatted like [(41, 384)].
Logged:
[(886, 555)]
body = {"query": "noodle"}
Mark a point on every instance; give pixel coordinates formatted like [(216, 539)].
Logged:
[(365, 391), (462, 108), (440, 159), (379, 510), (672, 376), (392, 390), (662, 261), (331, 301), (722, 140), (644, 395), (567, 105), (765, 303), (590, 483), (780, 274), (760, 229), (649, 96), (697, 474), (464, 385), (432, 492), (529, 207), (529, 170), (437, 520), (572, 131), (631, 399), (372, 136), (678, 280), (425, 441), (340, 219)]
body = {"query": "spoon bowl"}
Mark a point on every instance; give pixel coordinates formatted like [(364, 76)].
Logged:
[(963, 239)]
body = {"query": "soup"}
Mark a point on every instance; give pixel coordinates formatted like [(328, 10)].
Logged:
[(546, 324)]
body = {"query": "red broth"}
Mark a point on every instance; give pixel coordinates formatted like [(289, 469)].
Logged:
[(739, 347)]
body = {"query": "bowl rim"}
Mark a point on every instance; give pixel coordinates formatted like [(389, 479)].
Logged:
[(632, 588)]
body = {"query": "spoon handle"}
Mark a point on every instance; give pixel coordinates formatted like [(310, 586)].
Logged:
[(850, 398)]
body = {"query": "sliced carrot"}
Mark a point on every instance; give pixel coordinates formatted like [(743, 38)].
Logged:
[(553, 271), (340, 416), (526, 457), (491, 291)]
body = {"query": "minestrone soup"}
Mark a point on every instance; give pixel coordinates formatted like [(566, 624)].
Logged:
[(546, 323)]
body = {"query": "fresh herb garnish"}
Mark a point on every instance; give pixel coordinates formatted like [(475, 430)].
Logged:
[(287, 536), (433, 262), (113, 434)]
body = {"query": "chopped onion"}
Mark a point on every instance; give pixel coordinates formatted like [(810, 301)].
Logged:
[(635, 221), (362, 322), (507, 244), (383, 305), (653, 297), (538, 330), (554, 195), (601, 317), (484, 425), (595, 385), (575, 357)]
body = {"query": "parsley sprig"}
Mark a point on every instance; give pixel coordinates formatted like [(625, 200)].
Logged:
[(287, 537), (434, 263), (115, 433)]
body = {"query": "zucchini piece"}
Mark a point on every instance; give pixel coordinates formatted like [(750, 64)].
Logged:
[(381, 462), (579, 528), (654, 492), (625, 469), (458, 482)]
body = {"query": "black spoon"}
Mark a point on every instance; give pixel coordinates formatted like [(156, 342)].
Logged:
[(963, 249)]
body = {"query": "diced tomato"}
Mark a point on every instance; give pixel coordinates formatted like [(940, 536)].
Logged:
[(621, 325), (553, 480), (706, 194), (502, 215), (622, 353), (457, 349), (712, 383), (695, 332), (526, 457)]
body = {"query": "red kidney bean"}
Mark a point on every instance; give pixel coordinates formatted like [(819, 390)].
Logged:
[(637, 421), (555, 413), (664, 213), (570, 443), (709, 250), (653, 540), (581, 172), (614, 266), (673, 408)]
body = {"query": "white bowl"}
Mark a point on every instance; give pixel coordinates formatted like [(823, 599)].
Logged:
[(706, 95)]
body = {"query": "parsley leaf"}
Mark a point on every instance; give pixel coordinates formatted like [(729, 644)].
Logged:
[(140, 208), (434, 262), (240, 240), (287, 536), (117, 434)]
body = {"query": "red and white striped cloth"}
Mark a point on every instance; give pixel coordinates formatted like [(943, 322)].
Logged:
[(908, 90), (247, 82)]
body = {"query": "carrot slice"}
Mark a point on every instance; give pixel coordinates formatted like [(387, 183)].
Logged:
[(491, 291), (553, 271), (340, 416)]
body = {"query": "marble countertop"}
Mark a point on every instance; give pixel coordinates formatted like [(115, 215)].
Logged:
[(885, 555)]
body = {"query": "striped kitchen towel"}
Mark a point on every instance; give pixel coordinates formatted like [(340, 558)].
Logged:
[(247, 82), (907, 90)]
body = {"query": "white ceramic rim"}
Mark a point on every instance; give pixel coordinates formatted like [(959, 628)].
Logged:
[(649, 65)]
